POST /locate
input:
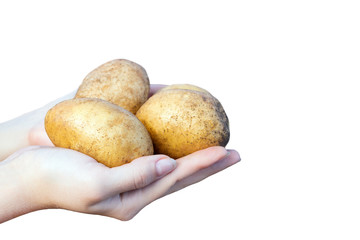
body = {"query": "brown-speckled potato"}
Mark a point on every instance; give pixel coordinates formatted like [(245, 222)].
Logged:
[(100, 129), (120, 81), (181, 122), (184, 86)]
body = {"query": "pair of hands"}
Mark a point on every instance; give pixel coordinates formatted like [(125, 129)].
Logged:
[(51, 177)]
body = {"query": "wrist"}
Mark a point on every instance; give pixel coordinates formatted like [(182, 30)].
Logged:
[(15, 192)]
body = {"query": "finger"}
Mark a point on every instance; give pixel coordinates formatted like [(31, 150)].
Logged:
[(138, 174), (155, 87), (38, 136), (186, 167), (232, 158)]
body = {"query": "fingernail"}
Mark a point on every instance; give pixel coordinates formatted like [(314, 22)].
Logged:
[(236, 155), (165, 165)]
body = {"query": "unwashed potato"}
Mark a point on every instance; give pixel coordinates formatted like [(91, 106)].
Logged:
[(119, 81), (184, 86), (181, 121), (108, 133)]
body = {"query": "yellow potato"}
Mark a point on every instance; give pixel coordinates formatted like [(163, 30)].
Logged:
[(184, 86), (119, 81), (108, 133), (181, 122)]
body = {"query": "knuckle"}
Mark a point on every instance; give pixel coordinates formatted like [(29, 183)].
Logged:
[(140, 179), (128, 214), (94, 193)]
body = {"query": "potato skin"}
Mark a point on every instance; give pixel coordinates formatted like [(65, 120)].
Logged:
[(181, 122), (102, 130), (119, 81), (184, 86)]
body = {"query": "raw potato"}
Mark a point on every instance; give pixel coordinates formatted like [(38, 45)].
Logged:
[(102, 130), (184, 86), (120, 81), (181, 122)]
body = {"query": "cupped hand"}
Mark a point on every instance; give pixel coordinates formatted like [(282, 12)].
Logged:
[(62, 178)]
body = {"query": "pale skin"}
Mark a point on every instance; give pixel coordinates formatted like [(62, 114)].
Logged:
[(35, 175)]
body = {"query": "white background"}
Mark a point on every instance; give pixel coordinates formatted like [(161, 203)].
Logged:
[(286, 73)]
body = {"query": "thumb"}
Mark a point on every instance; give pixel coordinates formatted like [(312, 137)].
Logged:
[(139, 173)]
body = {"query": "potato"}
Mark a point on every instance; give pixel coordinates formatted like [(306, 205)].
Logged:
[(182, 121), (184, 86), (108, 133), (120, 81)]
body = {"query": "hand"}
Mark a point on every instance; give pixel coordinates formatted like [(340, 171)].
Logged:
[(50, 177)]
